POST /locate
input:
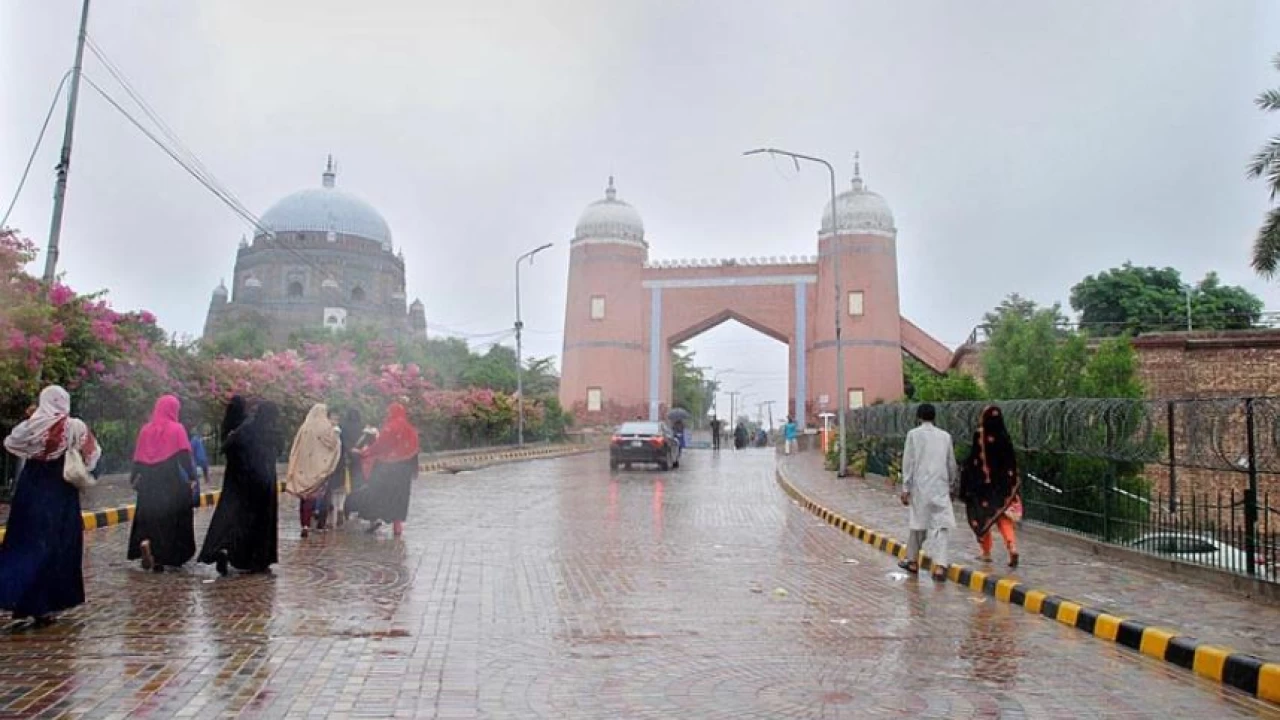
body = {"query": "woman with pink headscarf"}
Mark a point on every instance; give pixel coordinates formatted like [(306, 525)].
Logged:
[(42, 554), (163, 474)]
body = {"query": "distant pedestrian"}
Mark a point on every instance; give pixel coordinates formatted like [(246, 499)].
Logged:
[(740, 437), (390, 463), (990, 486), (790, 432), (717, 427), (200, 457), (42, 555), (164, 476), (928, 473), (243, 532), (354, 436), (317, 448)]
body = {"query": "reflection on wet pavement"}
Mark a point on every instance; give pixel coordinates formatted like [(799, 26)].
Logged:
[(557, 589)]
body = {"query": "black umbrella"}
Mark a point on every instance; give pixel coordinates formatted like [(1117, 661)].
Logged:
[(678, 415)]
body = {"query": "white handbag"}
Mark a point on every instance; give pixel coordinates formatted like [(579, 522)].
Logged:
[(74, 470)]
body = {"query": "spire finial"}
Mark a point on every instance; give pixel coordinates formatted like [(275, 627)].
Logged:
[(857, 171), (610, 192), (329, 173)]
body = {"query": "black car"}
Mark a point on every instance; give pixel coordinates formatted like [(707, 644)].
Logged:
[(644, 442)]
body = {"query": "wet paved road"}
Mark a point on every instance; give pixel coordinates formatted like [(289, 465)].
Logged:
[(553, 589)]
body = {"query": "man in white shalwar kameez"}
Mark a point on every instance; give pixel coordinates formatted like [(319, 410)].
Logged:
[(929, 472)]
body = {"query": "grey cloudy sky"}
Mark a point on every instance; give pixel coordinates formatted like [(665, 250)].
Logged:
[(1021, 146)]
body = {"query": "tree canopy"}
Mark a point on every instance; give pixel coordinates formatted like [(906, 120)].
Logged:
[(1034, 357), (924, 385), (691, 390), (1132, 299)]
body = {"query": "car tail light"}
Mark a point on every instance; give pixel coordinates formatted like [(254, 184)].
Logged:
[(618, 439), (658, 441)]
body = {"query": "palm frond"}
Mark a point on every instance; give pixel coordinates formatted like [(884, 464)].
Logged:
[(1268, 100), (1275, 61), (1266, 161), (1266, 247)]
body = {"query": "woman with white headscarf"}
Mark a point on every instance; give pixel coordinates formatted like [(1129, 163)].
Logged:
[(43, 552)]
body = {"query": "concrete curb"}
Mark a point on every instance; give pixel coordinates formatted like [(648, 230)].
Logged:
[(97, 519), (1251, 674)]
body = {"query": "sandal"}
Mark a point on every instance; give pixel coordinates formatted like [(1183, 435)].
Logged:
[(1013, 560), (911, 567)]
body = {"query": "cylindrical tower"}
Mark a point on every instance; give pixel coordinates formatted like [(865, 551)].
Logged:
[(603, 371), (865, 236)]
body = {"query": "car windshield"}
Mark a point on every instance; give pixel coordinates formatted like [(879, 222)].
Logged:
[(640, 428)]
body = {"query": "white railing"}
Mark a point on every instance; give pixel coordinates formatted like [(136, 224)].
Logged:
[(733, 262)]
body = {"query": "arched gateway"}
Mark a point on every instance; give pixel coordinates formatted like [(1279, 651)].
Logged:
[(624, 313)]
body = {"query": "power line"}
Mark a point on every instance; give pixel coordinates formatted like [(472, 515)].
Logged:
[(164, 127), (35, 149), (192, 164), (206, 182)]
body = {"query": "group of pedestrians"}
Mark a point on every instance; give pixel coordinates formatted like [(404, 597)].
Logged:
[(336, 469), (987, 482)]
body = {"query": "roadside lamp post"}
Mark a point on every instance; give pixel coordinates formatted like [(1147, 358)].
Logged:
[(520, 348), (842, 398)]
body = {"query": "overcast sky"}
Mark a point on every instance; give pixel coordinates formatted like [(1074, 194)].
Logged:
[(1021, 146)]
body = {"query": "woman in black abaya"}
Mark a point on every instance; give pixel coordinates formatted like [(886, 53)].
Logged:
[(164, 475), (242, 533)]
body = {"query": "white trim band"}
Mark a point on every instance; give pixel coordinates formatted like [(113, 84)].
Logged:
[(745, 281)]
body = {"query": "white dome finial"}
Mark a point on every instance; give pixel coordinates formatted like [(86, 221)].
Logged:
[(857, 172), (329, 173), (610, 192)]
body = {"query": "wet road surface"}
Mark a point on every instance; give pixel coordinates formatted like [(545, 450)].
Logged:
[(556, 589)]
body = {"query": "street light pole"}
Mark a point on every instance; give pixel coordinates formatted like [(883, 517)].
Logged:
[(841, 392), (64, 159), (519, 347)]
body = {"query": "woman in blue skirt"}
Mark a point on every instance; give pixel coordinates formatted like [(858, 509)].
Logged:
[(43, 552)]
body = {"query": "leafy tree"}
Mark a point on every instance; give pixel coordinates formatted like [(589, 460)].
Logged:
[(1015, 306), (925, 385), (540, 378), (1266, 247), (1031, 358), (248, 339), (1223, 307), (446, 358), (1131, 299), (689, 383), (496, 370)]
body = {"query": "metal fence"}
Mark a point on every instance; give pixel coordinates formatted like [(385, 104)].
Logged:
[(1187, 479)]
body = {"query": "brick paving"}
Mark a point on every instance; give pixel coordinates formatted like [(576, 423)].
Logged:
[(554, 589), (1122, 588)]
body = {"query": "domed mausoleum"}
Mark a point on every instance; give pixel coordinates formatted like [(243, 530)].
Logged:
[(321, 258)]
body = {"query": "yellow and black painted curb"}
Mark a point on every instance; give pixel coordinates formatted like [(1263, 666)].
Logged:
[(96, 519), (1245, 672)]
